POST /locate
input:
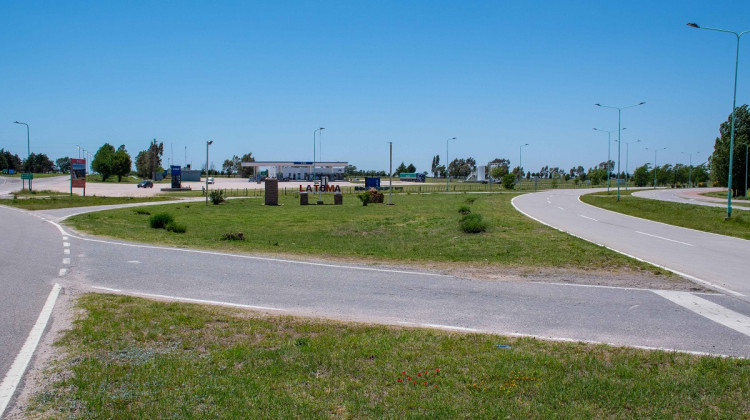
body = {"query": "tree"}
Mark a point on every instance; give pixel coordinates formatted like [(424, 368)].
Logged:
[(122, 164), (149, 161), (246, 171), (38, 163), (501, 167), (104, 161), (435, 165), (411, 168), (63, 164), (461, 167), (508, 181), (401, 168), (720, 157), (228, 167), (641, 176)]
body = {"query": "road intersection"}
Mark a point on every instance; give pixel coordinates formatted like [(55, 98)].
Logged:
[(48, 253)]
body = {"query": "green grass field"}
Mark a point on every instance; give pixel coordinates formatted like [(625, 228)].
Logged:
[(46, 200), (133, 358), (418, 229), (723, 194), (693, 216)]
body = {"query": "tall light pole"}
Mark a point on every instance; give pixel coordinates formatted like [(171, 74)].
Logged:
[(627, 165), (619, 133), (655, 150), (690, 160), (79, 151), (390, 174), (208, 143), (447, 174), (520, 165), (734, 105), (609, 142), (312, 169), (28, 139)]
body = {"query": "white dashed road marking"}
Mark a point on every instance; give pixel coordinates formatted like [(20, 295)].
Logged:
[(586, 217), (659, 237)]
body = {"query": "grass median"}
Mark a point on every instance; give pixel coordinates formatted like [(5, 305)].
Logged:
[(47, 200), (127, 357), (418, 229), (693, 216)]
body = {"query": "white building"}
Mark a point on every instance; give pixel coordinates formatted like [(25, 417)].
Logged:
[(292, 171)]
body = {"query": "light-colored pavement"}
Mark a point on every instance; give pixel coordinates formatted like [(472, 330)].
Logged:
[(692, 196), (715, 260)]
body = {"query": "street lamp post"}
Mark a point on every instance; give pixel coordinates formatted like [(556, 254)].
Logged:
[(312, 168), (208, 143), (619, 133), (28, 139), (655, 150), (447, 174), (690, 161), (627, 164), (609, 142), (520, 165), (390, 173), (734, 105)]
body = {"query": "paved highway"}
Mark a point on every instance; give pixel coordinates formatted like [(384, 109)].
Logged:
[(693, 322)]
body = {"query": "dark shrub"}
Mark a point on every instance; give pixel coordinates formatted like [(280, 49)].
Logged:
[(233, 236), (141, 211), (161, 220), (217, 196), (473, 223), (175, 227), (464, 210), (375, 196)]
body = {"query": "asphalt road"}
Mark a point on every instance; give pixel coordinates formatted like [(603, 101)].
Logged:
[(693, 322), (714, 260), (692, 196)]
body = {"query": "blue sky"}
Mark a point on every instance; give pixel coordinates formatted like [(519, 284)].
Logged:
[(260, 77)]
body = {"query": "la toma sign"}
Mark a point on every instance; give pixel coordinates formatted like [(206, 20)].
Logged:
[(324, 188)]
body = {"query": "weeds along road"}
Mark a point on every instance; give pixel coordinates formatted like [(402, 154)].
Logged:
[(718, 261), (715, 323)]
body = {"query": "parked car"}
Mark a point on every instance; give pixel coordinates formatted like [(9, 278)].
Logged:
[(210, 180), (145, 184)]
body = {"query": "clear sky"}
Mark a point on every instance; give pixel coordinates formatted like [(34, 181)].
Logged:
[(261, 76)]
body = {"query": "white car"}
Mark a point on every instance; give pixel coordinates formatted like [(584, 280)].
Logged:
[(210, 180)]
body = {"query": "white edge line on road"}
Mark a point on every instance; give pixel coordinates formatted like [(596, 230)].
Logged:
[(565, 340), (249, 257), (679, 273), (586, 217), (63, 271), (17, 369), (708, 309), (189, 300), (666, 239)]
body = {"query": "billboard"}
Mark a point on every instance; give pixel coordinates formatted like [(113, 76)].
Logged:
[(77, 173), (176, 176)]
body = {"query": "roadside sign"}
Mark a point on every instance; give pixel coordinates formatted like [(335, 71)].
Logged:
[(27, 176), (78, 174)]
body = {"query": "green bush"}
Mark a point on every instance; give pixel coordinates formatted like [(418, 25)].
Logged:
[(175, 227), (161, 220), (142, 212), (508, 181), (217, 196), (233, 236), (464, 210), (473, 223), (364, 197)]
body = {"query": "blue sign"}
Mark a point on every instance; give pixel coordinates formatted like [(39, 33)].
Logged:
[(176, 176)]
